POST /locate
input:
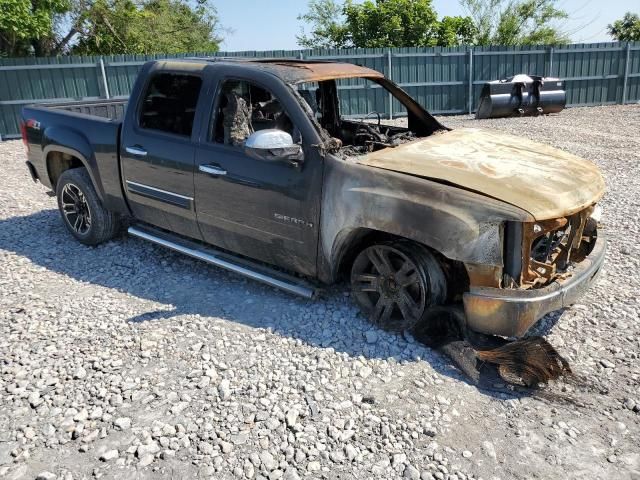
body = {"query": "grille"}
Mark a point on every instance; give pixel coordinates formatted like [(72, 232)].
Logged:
[(550, 247)]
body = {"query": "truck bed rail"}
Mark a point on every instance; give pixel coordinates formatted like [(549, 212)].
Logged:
[(112, 109)]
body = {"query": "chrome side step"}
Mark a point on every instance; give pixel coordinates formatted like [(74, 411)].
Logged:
[(249, 269)]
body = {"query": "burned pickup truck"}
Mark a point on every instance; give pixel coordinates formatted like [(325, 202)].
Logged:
[(255, 166)]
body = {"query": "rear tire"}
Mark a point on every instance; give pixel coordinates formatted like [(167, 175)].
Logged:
[(395, 282), (82, 213)]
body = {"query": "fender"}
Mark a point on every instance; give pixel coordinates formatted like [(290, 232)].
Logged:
[(56, 139), (461, 225)]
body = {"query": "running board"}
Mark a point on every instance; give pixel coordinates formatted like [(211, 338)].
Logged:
[(230, 262)]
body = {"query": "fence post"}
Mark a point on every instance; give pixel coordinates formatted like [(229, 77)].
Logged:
[(626, 74), (550, 62), (104, 79), (389, 76), (301, 55), (470, 80)]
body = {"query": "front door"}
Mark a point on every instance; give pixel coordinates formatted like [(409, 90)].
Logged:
[(264, 209), (158, 153)]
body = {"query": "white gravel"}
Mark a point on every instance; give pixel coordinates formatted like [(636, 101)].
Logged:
[(128, 361)]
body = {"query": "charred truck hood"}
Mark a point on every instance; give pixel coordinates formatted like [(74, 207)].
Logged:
[(544, 181)]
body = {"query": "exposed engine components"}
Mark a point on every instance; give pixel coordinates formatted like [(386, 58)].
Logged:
[(521, 95), (369, 137)]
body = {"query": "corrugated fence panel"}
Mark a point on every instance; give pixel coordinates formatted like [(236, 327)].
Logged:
[(121, 72), (592, 73), (439, 78), (38, 79), (633, 82), (434, 77)]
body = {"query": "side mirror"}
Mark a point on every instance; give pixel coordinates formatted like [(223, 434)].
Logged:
[(273, 144)]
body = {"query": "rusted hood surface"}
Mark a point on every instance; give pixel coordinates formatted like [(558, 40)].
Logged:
[(545, 181)]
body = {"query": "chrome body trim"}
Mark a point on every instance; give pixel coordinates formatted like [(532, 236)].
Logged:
[(160, 195), (136, 184)]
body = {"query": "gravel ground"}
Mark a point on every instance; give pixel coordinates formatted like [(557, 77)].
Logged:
[(128, 361)]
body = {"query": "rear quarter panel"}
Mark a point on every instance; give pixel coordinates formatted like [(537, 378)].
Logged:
[(91, 139)]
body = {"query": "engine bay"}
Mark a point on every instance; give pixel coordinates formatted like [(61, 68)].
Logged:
[(362, 137), (355, 135)]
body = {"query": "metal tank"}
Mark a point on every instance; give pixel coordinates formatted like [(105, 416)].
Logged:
[(521, 95)]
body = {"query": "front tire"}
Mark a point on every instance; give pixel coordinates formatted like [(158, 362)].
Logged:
[(395, 282), (82, 213)]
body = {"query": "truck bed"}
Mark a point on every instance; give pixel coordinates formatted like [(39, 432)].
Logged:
[(87, 131), (112, 109)]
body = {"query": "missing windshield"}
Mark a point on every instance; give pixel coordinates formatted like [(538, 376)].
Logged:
[(354, 112)]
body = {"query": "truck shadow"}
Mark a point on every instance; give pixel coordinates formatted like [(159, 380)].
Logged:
[(171, 285)]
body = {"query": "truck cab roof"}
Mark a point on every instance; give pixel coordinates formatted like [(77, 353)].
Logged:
[(289, 70)]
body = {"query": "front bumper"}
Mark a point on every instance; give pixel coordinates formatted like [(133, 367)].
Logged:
[(511, 313)]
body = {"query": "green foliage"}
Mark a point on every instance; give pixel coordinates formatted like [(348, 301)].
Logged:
[(109, 27), (392, 23), (24, 21), (94, 27), (328, 29), (381, 23), (155, 26), (626, 29), (516, 22), (454, 31)]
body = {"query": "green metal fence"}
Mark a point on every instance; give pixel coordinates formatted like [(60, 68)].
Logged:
[(444, 80)]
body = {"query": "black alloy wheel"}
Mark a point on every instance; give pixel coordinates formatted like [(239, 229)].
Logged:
[(82, 211), (396, 282), (76, 209)]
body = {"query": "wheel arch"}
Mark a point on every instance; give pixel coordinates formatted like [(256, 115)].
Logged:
[(59, 161), (351, 241), (60, 156)]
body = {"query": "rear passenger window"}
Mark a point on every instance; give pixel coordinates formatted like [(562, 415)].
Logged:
[(169, 103)]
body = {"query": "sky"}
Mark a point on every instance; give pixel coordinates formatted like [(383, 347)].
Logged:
[(272, 24)]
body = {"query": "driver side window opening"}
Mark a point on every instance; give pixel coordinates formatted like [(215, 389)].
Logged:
[(244, 108), (354, 111)]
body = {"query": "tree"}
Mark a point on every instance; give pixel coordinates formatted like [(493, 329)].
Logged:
[(26, 26), (54, 27), (381, 23), (107, 27), (516, 22), (328, 28), (391, 23), (454, 31), (627, 29), (155, 26)]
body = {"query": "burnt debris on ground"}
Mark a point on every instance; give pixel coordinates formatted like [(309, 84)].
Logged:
[(487, 359)]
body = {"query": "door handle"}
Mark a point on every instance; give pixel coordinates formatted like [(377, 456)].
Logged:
[(137, 151), (212, 170)]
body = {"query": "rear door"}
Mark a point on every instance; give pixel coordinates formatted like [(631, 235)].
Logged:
[(263, 209), (158, 151)]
